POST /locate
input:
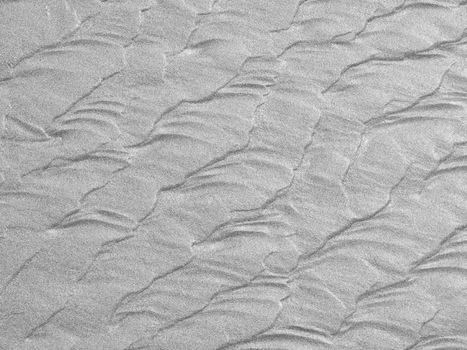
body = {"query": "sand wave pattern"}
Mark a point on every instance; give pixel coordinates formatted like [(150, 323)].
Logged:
[(233, 174)]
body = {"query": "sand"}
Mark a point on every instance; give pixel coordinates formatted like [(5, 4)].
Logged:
[(233, 174)]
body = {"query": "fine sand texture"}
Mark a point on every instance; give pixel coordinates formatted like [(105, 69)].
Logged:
[(233, 175)]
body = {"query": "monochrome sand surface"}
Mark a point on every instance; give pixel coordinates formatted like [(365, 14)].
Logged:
[(233, 174)]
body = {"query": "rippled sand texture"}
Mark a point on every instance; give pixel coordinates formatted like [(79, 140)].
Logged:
[(233, 174)]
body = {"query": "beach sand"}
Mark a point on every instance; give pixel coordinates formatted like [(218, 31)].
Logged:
[(233, 174)]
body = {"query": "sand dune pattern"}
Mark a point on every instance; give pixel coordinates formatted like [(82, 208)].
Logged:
[(233, 174)]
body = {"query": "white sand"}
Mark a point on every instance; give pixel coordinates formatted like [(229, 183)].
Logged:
[(233, 175)]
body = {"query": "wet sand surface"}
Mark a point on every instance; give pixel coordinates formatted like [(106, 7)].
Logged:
[(233, 174)]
